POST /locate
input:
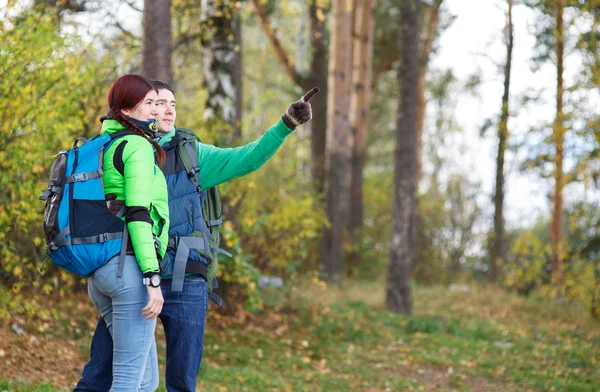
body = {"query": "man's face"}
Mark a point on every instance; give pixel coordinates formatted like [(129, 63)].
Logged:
[(165, 109)]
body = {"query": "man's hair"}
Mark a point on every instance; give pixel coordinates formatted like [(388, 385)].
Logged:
[(158, 85)]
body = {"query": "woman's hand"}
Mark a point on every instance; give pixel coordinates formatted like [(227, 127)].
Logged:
[(155, 303)]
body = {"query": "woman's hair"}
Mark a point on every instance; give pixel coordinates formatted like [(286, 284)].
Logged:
[(126, 93)]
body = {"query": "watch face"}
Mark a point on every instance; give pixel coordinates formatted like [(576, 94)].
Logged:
[(155, 281)]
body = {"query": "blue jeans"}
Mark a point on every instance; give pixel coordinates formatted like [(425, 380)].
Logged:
[(183, 316), (120, 302), (97, 373)]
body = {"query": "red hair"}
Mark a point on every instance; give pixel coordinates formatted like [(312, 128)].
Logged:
[(126, 93)]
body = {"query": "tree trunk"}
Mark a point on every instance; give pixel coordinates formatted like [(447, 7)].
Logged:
[(498, 250), (238, 73), (318, 78), (431, 19), (398, 296), (359, 114), (220, 19), (556, 237), (339, 142), (156, 45)]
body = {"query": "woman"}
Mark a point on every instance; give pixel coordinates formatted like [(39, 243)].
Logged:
[(130, 303)]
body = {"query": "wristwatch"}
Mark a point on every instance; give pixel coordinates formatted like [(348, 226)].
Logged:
[(151, 279)]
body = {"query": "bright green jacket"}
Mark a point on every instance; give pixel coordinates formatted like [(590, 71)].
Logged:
[(144, 189), (219, 165)]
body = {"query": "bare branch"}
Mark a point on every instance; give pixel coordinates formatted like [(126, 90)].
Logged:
[(285, 60), (132, 5), (185, 39), (124, 30), (387, 65)]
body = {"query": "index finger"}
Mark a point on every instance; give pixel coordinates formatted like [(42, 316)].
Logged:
[(310, 94)]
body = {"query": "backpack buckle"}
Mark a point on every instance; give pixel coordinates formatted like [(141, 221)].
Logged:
[(47, 193), (173, 242), (192, 172), (80, 177)]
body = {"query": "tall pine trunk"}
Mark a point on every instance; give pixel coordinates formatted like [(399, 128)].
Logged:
[(498, 250), (431, 20), (339, 142), (362, 64), (156, 45), (556, 232), (398, 295), (238, 73), (318, 77), (222, 66)]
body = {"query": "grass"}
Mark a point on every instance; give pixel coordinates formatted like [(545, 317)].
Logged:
[(342, 339)]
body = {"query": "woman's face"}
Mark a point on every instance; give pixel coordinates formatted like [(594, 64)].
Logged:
[(146, 109)]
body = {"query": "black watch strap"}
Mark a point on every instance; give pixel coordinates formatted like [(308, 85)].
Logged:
[(152, 279)]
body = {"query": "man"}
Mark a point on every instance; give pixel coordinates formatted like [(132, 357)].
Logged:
[(185, 268)]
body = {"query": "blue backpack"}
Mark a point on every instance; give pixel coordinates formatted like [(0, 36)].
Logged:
[(81, 233)]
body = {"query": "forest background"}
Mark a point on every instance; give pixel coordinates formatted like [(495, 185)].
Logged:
[(454, 147)]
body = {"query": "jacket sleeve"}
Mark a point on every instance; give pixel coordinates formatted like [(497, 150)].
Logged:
[(219, 165), (139, 171)]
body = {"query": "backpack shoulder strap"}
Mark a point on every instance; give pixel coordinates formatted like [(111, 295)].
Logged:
[(121, 133), (188, 152), (211, 208), (188, 134)]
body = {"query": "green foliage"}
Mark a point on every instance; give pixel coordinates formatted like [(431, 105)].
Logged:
[(279, 223), (280, 229), (373, 250), (525, 268), (582, 273), (5, 385), (51, 86), (582, 283), (239, 269)]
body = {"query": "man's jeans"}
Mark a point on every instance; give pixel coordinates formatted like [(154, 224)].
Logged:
[(120, 302), (183, 316)]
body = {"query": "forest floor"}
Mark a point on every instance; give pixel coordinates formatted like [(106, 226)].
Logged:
[(316, 338)]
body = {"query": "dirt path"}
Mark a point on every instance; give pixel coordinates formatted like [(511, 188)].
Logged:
[(439, 379), (39, 358)]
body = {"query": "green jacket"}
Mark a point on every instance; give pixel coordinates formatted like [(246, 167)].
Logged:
[(144, 189), (219, 165)]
